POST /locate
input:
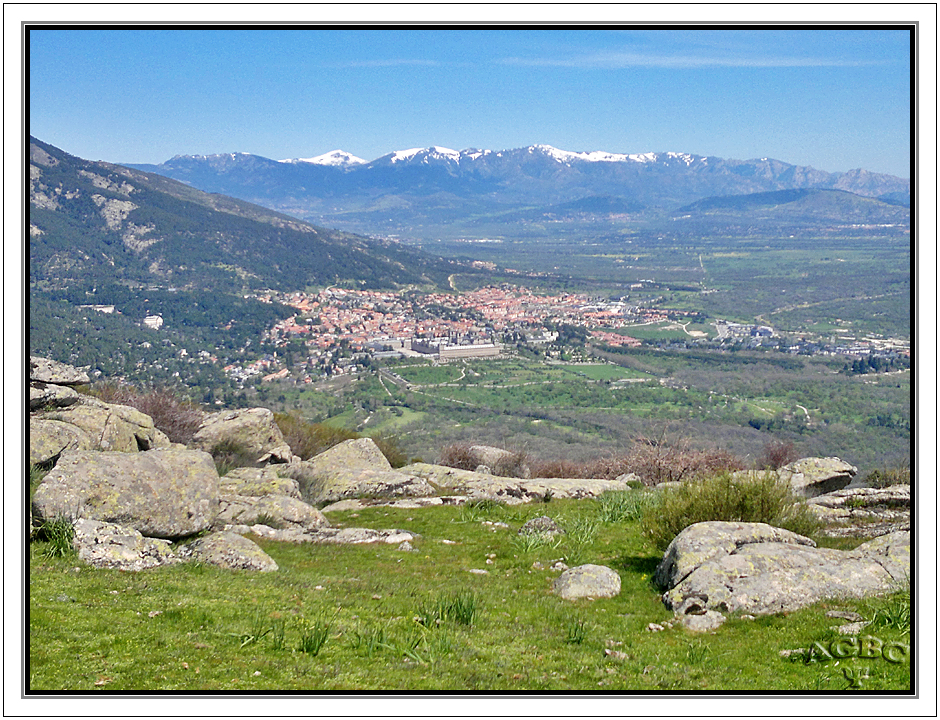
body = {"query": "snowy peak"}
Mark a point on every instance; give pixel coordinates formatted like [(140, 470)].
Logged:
[(423, 156), (567, 157), (334, 158)]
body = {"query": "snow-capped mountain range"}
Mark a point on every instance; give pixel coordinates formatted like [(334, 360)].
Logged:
[(407, 190), (341, 158)]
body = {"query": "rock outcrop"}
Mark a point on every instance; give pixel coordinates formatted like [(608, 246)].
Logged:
[(228, 550), (277, 511), (107, 426), (164, 493), (810, 477), (864, 512), (108, 545), (706, 541), (257, 482), (355, 468), (43, 370), (756, 569), (49, 438), (253, 431), (480, 486)]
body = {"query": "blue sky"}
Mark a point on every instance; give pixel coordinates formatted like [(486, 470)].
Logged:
[(832, 99)]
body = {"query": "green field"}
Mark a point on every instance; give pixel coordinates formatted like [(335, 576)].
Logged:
[(196, 628), (737, 401)]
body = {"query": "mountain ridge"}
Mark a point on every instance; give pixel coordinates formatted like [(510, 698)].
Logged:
[(422, 192)]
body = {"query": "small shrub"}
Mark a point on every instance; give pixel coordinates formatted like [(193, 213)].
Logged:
[(889, 476), (267, 519), (527, 542), (314, 634), (231, 454), (177, 417), (891, 611), (697, 652), (391, 450), (458, 456), (556, 469), (776, 454), (745, 498), (371, 641), (623, 505), (575, 632), (58, 533), (476, 510), (259, 627), (514, 465), (307, 439), (278, 633), (580, 533), (460, 608)]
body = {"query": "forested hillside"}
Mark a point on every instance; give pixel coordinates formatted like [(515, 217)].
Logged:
[(110, 246)]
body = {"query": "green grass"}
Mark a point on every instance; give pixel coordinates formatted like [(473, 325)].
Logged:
[(603, 372), (365, 617), (657, 331)]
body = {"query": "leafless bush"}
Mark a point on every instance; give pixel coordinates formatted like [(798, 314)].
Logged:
[(776, 454), (458, 456), (514, 464), (462, 457), (662, 460), (177, 417)]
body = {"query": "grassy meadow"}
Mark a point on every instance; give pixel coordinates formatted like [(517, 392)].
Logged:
[(469, 609)]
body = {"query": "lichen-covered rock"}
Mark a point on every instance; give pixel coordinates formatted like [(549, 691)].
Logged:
[(587, 581), (165, 493), (252, 429), (358, 453), (890, 503), (355, 468), (360, 536), (810, 477), (257, 482), (701, 542), (771, 576), (892, 552), (48, 439), (278, 511), (43, 395), (705, 622), (228, 550), (107, 545), (55, 373), (120, 428), (543, 526), (864, 512), (478, 486)]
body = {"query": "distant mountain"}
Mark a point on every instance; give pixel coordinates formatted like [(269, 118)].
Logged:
[(795, 206), (424, 191), (97, 223), (335, 158)]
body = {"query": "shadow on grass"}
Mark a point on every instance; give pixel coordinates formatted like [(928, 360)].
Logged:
[(642, 564)]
